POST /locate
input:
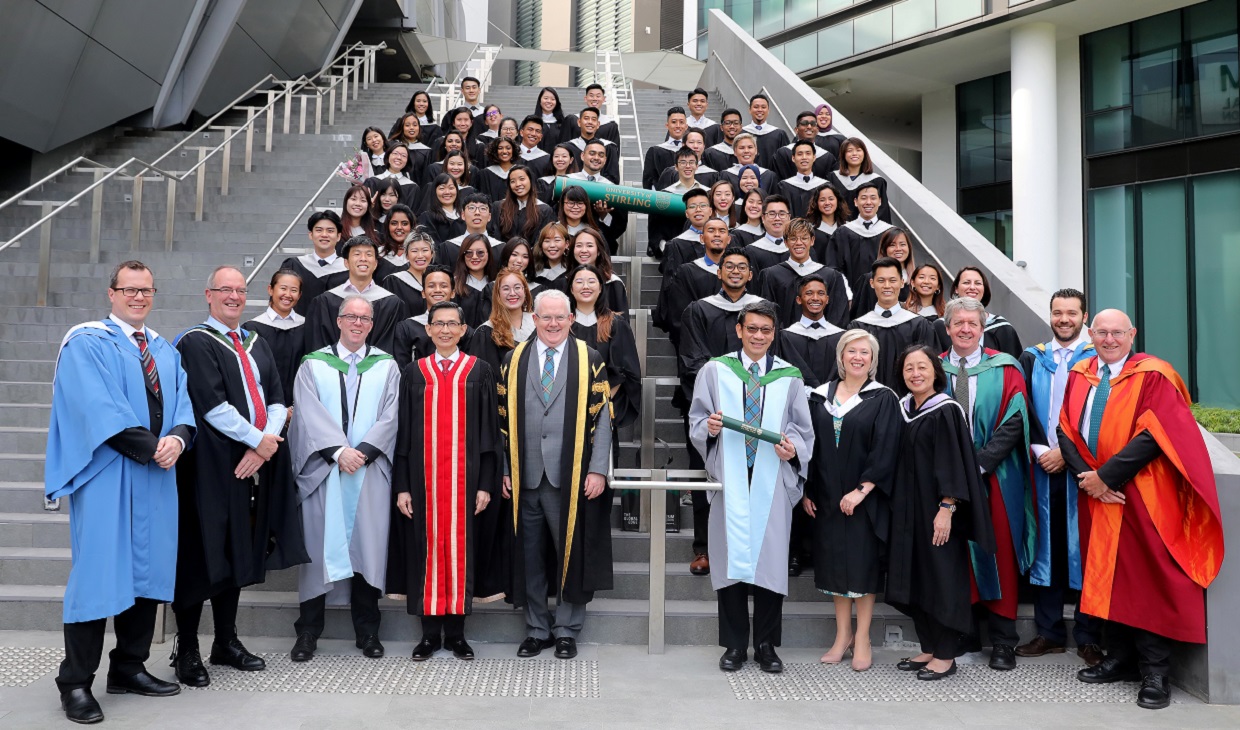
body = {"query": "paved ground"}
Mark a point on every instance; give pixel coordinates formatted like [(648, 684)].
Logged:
[(605, 687)]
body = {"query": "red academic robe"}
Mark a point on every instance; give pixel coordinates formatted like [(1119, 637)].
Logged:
[(1148, 561)]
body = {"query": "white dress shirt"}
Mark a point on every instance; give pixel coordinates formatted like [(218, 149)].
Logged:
[(1063, 355)]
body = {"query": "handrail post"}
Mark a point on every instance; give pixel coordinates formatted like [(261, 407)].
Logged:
[(318, 114), (367, 63), (249, 139), (96, 215), (344, 87), (171, 214), (136, 237), (646, 455), (357, 73), (227, 160), (331, 107), (271, 118), (45, 256), (301, 116), (201, 183), (288, 103), (658, 565)]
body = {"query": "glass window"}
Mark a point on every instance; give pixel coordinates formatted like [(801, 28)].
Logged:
[(830, 6), (1111, 249), (835, 42), (741, 11), (1002, 126), (778, 52), (1155, 88), (1211, 31), (1216, 243), (872, 31), (975, 110), (995, 227), (800, 11), (951, 12), (768, 17), (1164, 273), (912, 18), (802, 53), (1106, 69)]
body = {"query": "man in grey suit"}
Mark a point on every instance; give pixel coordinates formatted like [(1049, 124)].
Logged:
[(554, 410)]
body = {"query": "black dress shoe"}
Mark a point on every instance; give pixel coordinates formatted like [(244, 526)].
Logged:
[(304, 647), (143, 684), (234, 654), (732, 660), (533, 647), (768, 660), (1109, 670), (908, 665), (425, 649), (187, 666), (565, 647), (1002, 657), (370, 646), (460, 648), (794, 566), (80, 706), (929, 675), (1155, 692)]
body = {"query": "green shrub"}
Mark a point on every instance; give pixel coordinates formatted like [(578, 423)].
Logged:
[(1217, 420)]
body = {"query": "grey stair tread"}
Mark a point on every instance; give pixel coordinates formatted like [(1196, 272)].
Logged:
[(46, 518)]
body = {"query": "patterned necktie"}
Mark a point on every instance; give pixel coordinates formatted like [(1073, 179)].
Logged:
[(753, 413), (148, 362), (1101, 394), (251, 383), (445, 364), (962, 389), (548, 375), (590, 178)]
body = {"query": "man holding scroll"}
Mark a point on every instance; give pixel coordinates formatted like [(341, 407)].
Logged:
[(750, 421)]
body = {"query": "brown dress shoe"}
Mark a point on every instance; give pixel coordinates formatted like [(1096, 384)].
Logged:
[(1040, 646), (700, 565), (1091, 653)]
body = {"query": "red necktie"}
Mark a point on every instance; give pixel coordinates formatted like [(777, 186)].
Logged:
[(251, 383)]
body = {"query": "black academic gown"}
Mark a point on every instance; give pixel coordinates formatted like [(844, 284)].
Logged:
[(658, 158), (770, 139), (231, 531), (544, 279), (315, 279), (493, 182), (864, 299), (824, 164), (611, 168), (998, 334), (936, 461), (704, 174), (538, 161), (682, 248), (481, 459), (800, 192), (849, 551), (623, 369), (894, 335), (720, 155), (288, 346), (321, 328), (690, 282), (847, 186), (780, 284), (476, 303), (709, 330), (854, 247), (767, 179), (744, 234), (442, 228), (412, 341), (406, 288), (385, 267), (517, 227), (822, 244), (813, 349), (765, 253), (553, 134), (830, 142), (410, 191)]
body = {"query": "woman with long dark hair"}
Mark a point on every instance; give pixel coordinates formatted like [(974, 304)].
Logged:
[(409, 130), (420, 104), (997, 333), (750, 214), (396, 230), (925, 295), (443, 211), (283, 328), (605, 330), (520, 212), (827, 212), (587, 247), (551, 259), (472, 278), (723, 202), (517, 255), (388, 195), (563, 164), (397, 166), (855, 169), (552, 114), (355, 217), (896, 244), (374, 145), (493, 179)]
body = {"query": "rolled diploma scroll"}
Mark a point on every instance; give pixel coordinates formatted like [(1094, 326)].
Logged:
[(771, 437)]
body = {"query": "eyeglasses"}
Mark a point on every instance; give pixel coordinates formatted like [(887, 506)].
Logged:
[(492, 114), (357, 318), (227, 291), (574, 203), (476, 208), (1104, 334), (776, 214), (698, 206), (475, 254), (133, 291), (442, 325), (807, 123), (732, 266), (511, 289), (756, 330), (557, 318)]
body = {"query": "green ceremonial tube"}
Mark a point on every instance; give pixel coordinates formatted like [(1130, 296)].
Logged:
[(771, 437), (626, 198)]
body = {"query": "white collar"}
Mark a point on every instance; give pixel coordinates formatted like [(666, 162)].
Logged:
[(899, 315), (475, 283), (719, 301), (750, 228), (857, 225), (450, 358), (798, 181), (844, 408), (828, 229), (850, 182), (345, 352), (807, 266), (273, 317), (586, 319), (760, 129), (746, 363), (933, 403), (1081, 339), (128, 330), (802, 328), (1113, 368), (970, 361), (554, 271)]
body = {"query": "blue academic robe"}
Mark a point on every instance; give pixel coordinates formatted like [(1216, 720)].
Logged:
[(122, 515)]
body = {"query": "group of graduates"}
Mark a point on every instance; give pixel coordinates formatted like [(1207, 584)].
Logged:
[(428, 409)]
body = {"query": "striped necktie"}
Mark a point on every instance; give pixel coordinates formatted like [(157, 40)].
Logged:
[(251, 383), (148, 363), (1101, 393), (753, 413), (548, 375)]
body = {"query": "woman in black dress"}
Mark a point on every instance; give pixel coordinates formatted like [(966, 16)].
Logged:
[(829, 138), (723, 202), (420, 104), (511, 319), (409, 131), (397, 162), (456, 165), (520, 212), (827, 212), (998, 334), (848, 490), (599, 327), (551, 259), (283, 328), (563, 164), (472, 278), (855, 169), (355, 217), (407, 284), (589, 248), (442, 216), (925, 295), (493, 179), (938, 505), (396, 232), (387, 196), (750, 216), (549, 110), (517, 255), (894, 243)]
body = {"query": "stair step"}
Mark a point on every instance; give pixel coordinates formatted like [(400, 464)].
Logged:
[(34, 529), (22, 498)]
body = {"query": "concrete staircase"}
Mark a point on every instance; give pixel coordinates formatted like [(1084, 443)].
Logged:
[(238, 229)]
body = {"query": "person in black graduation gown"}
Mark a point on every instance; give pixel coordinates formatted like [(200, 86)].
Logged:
[(609, 128), (397, 161), (374, 146), (384, 198), (519, 212), (462, 122), (811, 339), (549, 109), (893, 326), (472, 277), (501, 158), (457, 394), (528, 150), (749, 217), (687, 245), (396, 231), (723, 202), (703, 173), (587, 247), (697, 104), (848, 491), (609, 166), (551, 260), (322, 268), (282, 327), (443, 213), (691, 281), (576, 213), (361, 258), (720, 154), (827, 212), (827, 136), (770, 138), (456, 163), (745, 147), (603, 329), (893, 243), (511, 320), (856, 170), (406, 285), (998, 334), (662, 230), (661, 156), (237, 503), (800, 185), (854, 245), (823, 162), (471, 94), (563, 164), (770, 249), (412, 341), (925, 295), (476, 211), (356, 218), (709, 330), (420, 104), (778, 283), (938, 505)]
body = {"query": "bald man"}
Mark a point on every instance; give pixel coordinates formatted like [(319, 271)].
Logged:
[(1149, 520)]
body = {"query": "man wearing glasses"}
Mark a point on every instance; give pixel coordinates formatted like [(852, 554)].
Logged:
[(449, 461), (751, 520), (720, 155), (476, 212), (771, 249), (322, 327), (556, 419), (342, 439), (120, 420), (238, 516)]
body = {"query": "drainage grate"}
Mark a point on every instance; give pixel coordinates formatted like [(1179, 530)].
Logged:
[(400, 676), (19, 666), (885, 683)]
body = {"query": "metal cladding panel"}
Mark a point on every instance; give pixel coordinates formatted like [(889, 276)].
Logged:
[(39, 53), (241, 63), (78, 13), (104, 90), (145, 33)]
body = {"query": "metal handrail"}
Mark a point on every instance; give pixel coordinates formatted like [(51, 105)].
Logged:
[(289, 229), (771, 98)]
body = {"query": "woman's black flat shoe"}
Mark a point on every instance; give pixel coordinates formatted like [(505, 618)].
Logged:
[(908, 665), (929, 675)]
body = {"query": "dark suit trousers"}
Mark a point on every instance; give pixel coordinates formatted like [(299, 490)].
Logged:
[(768, 608), (363, 607), (1151, 652), (84, 646), (1048, 601), (1002, 628), (451, 627)]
